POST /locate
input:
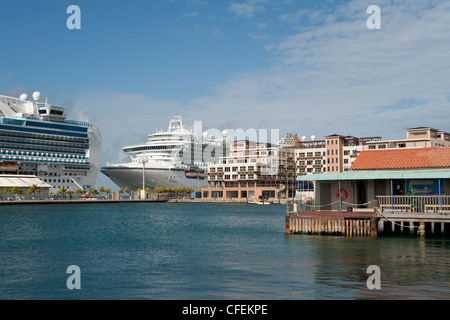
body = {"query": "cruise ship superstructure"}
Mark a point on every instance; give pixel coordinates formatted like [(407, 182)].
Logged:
[(175, 158), (36, 139)]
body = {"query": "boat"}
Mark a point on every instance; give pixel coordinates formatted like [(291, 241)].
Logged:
[(168, 159), (36, 139), (259, 201)]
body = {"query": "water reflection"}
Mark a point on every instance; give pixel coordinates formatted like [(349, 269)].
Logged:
[(411, 268)]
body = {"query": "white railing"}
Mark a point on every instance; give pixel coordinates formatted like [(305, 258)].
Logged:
[(414, 204)]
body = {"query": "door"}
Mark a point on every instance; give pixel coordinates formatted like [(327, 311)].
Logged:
[(325, 197)]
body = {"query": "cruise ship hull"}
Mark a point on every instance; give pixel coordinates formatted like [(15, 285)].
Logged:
[(155, 177)]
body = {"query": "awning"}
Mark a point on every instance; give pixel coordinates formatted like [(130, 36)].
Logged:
[(378, 175), (11, 181)]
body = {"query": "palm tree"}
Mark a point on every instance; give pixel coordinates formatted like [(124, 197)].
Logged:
[(94, 192), (7, 191), (101, 190), (62, 191), (33, 189), (120, 192), (127, 190), (15, 190), (108, 191)]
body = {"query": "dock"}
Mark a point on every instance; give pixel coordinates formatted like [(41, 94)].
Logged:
[(332, 223), (77, 201), (366, 223)]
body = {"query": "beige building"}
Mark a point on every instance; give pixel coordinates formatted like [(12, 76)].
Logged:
[(252, 170)]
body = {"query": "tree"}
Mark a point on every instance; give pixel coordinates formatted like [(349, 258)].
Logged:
[(7, 191), (108, 191), (127, 190), (15, 190), (62, 191), (101, 190), (33, 189), (94, 192)]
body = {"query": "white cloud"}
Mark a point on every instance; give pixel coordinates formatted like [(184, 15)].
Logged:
[(246, 9), (336, 76), (122, 118)]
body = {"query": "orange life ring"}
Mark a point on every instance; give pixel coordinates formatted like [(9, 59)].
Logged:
[(341, 194)]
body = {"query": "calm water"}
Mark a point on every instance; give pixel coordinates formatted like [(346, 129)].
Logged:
[(204, 251)]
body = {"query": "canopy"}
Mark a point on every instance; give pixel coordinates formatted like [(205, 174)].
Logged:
[(21, 181), (378, 175)]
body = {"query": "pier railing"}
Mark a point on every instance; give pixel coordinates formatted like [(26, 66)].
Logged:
[(434, 204)]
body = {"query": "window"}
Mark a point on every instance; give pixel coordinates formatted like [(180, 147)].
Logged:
[(309, 154), (251, 168), (309, 162), (235, 169), (372, 147), (317, 170), (318, 162), (317, 154), (227, 177), (227, 169), (302, 155), (242, 168), (346, 161), (242, 176), (420, 133), (346, 152)]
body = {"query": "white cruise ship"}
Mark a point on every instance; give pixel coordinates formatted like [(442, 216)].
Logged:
[(36, 139), (175, 158)]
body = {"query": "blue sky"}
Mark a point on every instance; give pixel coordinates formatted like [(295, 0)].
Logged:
[(310, 67)]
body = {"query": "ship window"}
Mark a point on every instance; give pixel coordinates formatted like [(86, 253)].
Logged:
[(57, 112)]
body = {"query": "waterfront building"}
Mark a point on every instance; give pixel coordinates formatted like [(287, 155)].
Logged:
[(336, 153), (401, 180), (12, 184), (252, 170)]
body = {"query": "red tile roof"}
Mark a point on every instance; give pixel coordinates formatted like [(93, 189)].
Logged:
[(408, 158)]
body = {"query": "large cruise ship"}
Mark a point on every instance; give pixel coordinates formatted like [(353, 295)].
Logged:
[(36, 139), (175, 158)]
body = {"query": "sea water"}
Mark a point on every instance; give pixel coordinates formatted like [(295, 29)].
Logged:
[(190, 251)]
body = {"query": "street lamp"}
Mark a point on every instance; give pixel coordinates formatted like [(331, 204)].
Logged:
[(144, 159)]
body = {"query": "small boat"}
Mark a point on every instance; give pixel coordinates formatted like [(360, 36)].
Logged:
[(259, 201), (191, 174)]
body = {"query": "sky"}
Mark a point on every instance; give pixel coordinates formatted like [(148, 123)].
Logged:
[(307, 67)]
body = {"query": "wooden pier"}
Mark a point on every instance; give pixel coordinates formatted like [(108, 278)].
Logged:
[(366, 223), (352, 224)]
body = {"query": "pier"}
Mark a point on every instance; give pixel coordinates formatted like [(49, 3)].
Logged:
[(366, 222)]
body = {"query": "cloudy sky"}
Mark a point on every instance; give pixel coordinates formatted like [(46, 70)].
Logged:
[(309, 67)]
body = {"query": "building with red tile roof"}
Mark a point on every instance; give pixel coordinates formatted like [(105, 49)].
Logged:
[(404, 158)]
